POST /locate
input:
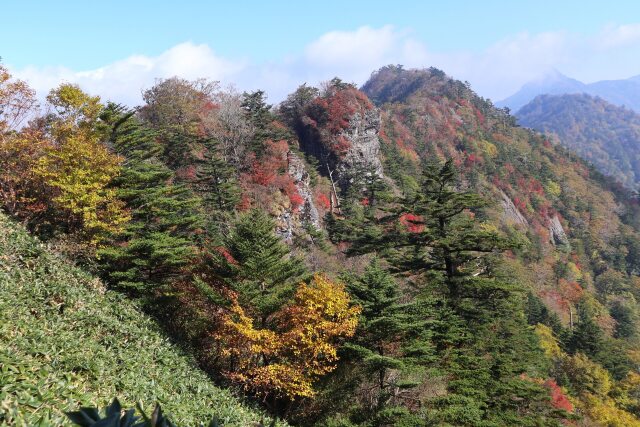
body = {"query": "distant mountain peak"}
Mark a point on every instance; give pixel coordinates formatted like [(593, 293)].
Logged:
[(601, 133), (625, 92), (551, 82), (551, 75)]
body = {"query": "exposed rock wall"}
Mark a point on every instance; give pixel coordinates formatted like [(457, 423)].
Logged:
[(341, 130), (557, 234), (364, 151), (307, 212), (293, 222), (511, 214)]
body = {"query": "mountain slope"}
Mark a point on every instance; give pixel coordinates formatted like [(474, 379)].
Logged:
[(579, 233), (66, 342), (604, 134), (625, 92), (520, 311), (574, 222), (443, 118)]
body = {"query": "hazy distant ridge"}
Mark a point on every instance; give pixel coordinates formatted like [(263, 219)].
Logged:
[(618, 92)]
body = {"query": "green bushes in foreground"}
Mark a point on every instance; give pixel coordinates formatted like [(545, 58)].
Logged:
[(65, 342)]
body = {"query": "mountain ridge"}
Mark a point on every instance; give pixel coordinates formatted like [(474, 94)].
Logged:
[(600, 132), (621, 92)]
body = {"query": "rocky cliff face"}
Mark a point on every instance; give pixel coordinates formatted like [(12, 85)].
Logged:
[(511, 213), (307, 212), (291, 222), (364, 147), (557, 235), (341, 129)]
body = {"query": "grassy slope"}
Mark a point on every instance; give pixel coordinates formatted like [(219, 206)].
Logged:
[(64, 341)]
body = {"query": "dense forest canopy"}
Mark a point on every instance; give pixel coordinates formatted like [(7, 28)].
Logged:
[(601, 133), (397, 254)]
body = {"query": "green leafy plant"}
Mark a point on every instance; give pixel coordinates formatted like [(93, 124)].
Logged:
[(115, 416)]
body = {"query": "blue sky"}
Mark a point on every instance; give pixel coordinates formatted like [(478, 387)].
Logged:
[(116, 48)]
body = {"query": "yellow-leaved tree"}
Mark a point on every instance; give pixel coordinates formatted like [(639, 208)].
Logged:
[(284, 363), (79, 168), (592, 387)]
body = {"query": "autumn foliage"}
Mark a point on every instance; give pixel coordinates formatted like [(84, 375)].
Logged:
[(17, 101), (286, 360), (413, 223), (559, 399), (269, 177), (23, 193), (57, 171), (79, 172), (330, 115)]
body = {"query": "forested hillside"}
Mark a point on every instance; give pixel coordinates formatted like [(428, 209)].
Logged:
[(400, 254), (599, 132)]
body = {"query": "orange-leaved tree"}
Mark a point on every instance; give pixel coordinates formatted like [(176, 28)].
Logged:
[(284, 362), (23, 194)]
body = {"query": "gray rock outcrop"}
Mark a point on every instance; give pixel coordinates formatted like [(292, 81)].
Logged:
[(511, 214), (290, 222), (363, 153), (307, 212), (557, 235)]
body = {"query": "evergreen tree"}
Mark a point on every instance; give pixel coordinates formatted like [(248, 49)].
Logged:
[(261, 117), (258, 111), (178, 147), (625, 321), (217, 184), (481, 334), (385, 329), (258, 265), (586, 337), (366, 186), (537, 312), (157, 243)]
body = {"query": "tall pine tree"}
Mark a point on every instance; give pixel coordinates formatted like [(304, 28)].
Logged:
[(216, 182), (436, 239), (158, 242)]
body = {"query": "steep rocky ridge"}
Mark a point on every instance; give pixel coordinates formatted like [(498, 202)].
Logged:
[(340, 128)]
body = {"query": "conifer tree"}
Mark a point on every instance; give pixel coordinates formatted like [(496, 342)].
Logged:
[(436, 238), (258, 265), (262, 118), (216, 179), (586, 337), (158, 242), (366, 186), (217, 184), (258, 111), (625, 321), (389, 338)]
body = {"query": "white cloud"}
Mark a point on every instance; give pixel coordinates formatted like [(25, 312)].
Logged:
[(365, 45), (615, 36), (123, 80), (495, 72)]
